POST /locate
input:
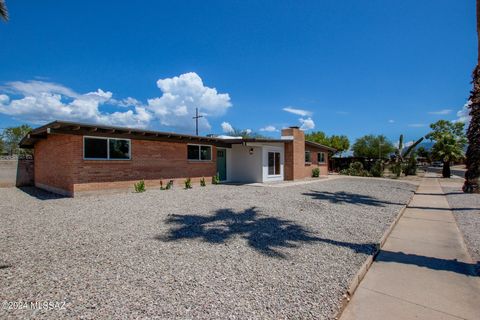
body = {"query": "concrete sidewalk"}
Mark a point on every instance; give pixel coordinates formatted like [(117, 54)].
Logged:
[(424, 270)]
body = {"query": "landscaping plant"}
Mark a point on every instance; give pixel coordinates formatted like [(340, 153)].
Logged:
[(202, 182), (169, 185), (356, 169), (410, 168), (315, 172), (377, 169), (216, 179), (139, 186), (188, 183)]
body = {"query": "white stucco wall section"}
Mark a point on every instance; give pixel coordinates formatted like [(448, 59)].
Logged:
[(245, 167)]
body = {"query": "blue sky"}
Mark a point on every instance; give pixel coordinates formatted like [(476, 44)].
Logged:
[(353, 67)]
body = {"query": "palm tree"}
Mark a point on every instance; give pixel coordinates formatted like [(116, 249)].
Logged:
[(472, 174), (3, 10)]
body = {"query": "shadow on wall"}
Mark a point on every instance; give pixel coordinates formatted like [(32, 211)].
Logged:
[(349, 198), (25, 174), (265, 234)]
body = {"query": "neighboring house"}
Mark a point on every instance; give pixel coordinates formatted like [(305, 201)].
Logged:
[(74, 157)]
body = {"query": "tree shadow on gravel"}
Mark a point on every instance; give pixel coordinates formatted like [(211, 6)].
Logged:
[(265, 234), (347, 197)]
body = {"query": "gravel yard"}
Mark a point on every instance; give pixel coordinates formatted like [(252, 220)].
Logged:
[(466, 208), (219, 252)]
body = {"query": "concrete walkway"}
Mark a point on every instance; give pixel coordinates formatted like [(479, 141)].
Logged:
[(424, 270)]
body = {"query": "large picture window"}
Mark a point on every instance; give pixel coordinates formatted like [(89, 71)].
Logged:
[(99, 148), (321, 157), (273, 163), (199, 152)]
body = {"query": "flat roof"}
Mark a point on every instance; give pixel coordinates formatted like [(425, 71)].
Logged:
[(67, 127)]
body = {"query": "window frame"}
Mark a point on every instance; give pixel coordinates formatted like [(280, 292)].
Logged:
[(108, 149), (274, 162), (324, 157), (310, 153), (200, 152)]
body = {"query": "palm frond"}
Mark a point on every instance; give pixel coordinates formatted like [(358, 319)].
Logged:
[(3, 10)]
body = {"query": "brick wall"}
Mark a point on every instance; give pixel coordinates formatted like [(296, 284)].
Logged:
[(295, 166), (61, 165)]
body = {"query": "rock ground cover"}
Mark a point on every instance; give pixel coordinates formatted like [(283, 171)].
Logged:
[(217, 252)]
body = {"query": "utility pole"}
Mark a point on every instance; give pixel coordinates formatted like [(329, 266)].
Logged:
[(196, 121)]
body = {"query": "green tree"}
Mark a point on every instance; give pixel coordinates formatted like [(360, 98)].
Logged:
[(373, 146), (3, 11), (424, 153), (12, 137), (338, 142), (449, 140), (2, 145), (472, 175)]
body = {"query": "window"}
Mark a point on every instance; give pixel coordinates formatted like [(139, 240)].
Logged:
[(273, 163), (308, 157), (199, 152), (97, 148), (321, 157)]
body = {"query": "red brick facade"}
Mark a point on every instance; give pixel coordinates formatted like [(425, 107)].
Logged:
[(295, 166), (60, 167)]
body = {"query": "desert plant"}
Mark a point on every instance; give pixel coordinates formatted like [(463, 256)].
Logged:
[(315, 172), (377, 169), (188, 183), (169, 185), (139, 186), (202, 182), (216, 179), (356, 169), (396, 169), (410, 168)]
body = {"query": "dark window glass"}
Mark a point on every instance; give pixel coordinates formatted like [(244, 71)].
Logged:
[(205, 153), (277, 163), (193, 152), (271, 163), (321, 157), (95, 148), (119, 149), (308, 156)]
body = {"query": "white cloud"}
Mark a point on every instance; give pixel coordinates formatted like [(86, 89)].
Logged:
[(227, 127), (299, 112), (441, 112), (269, 129), (417, 125), (40, 102), (464, 113), (307, 124), (248, 131), (391, 121)]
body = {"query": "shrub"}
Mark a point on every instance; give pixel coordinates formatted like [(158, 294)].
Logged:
[(356, 169), (188, 183), (169, 185), (216, 179), (202, 182), (139, 186), (315, 172), (377, 169), (161, 185), (396, 169), (410, 168)]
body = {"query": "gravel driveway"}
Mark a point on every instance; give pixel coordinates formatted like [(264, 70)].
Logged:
[(219, 252)]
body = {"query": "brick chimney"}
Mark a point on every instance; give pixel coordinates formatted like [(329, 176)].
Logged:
[(294, 152)]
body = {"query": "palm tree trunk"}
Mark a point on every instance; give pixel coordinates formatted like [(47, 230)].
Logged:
[(446, 169), (472, 174)]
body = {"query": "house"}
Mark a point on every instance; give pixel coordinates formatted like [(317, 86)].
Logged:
[(73, 157)]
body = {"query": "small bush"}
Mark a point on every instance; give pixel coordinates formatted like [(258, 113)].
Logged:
[(216, 179), (377, 169), (202, 182), (188, 183), (169, 185), (139, 186), (396, 169), (161, 185), (356, 169), (410, 168), (315, 172)]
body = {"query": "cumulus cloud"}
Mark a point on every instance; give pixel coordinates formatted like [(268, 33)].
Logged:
[(463, 115), (39, 102), (269, 129), (391, 121), (227, 127), (441, 112), (299, 112), (307, 124)]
